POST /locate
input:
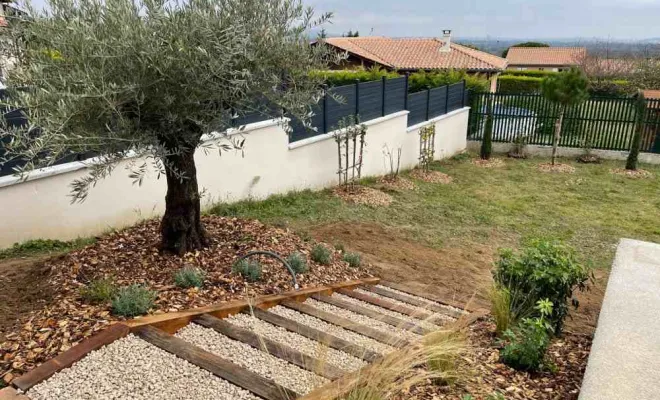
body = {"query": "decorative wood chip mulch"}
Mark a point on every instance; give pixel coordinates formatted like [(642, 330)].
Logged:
[(431, 176), (131, 256), (363, 195), (397, 183), (557, 168), (482, 373), (635, 174), (492, 163)]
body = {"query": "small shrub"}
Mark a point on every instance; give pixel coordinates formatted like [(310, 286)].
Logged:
[(189, 277), (340, 247), (543, 270), (519, 147), (321, 254), (527, 343), (134, 300), (250, 270), (354, 260), (297, 262), (518, 84), (99, 291)]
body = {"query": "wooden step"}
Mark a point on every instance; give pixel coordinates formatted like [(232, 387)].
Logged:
[(396, 322), (417, 314), (271, 347), (346, 324), (218, 366), (427, 302), (314, 334)]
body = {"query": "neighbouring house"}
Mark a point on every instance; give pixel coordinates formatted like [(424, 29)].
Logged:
[(545, 58), (414, 54)]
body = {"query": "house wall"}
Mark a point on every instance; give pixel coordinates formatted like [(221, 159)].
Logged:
[(40, 207), (553, 68)]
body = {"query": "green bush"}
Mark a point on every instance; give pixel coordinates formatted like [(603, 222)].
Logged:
[(99, 291), (530, 72), (321, 254), (297, 262), (423, 80), (528, 342), (518, 84), (250, 270), (349, 77), (354, 260), (189, 277), (134, 300), (543, 270), (611, 88)]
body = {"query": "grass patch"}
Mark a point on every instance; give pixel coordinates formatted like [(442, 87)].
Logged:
[(99, 291), (43, 246), (590, 209)]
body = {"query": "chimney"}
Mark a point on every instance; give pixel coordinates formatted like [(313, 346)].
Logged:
[(446, 41)]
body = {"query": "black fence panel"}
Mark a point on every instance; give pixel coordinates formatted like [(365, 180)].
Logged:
[(437, 102), (340, 107), (300, 132), (370, 101), (395, 95), (418, 107), (455, 96)]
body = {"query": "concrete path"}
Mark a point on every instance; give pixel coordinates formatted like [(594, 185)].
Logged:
[(625, 358)]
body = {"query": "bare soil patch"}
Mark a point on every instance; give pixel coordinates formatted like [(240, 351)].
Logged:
[(363, 195), (636, 174), (397, 183), (557, 168), (54, 318), (492, 163), (431, 176)]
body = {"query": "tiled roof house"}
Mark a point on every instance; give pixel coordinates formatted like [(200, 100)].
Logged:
[(545, 58)]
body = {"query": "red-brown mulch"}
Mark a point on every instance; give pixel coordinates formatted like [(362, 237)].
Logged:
[(397, 183), (635, 174), (431, 176), (363, 195), (132, 257), (558, 168), (482, 374)]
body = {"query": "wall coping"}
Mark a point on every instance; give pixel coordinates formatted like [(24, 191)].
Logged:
[(438, 118), (319, 138)]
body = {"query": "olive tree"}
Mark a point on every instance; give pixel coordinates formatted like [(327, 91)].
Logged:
[(149, 79), (566, 89), (640, 124)]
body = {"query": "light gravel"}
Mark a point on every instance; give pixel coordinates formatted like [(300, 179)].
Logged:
[(264, 364), (435, 315), (428, 325), (334, 330), (446, 307), (298, 342), (363, 320), (131, 368)]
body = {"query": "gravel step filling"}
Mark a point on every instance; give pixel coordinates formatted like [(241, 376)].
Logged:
[(449, 308), (130, 368), (428, 325), (334, 330), (436, 315), (363, 320), (298, 342), (264, 364)]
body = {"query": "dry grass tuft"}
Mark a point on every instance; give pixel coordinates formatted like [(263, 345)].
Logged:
[(500, 308), (492, 163)]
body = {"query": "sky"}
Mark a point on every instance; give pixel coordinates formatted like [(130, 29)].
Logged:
[(613, 19)]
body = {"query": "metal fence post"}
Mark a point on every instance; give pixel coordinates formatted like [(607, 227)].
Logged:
[(325, 111), (428, 104), (357, 98), (447, 99), (464, 103), (384, 82), (405, 94)]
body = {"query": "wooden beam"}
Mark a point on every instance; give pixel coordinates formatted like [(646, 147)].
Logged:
[(346, 324), (414, 300), (461, 306), (218, 366), (377, 301), (266, 345), (69, 357), (172, 322), (314, 334), (356, 308)]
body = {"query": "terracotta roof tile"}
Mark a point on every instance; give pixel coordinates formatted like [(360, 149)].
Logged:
[(418, 53), (539, 56), (652, 94)]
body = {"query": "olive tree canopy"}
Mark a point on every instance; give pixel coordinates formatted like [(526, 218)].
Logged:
[(149, 78)]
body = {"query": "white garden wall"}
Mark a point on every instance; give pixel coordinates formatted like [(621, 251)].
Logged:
[(40, 207)]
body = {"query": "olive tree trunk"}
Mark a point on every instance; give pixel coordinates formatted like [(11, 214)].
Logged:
[(640, 126), (487, 140), (181, 227), (558, 125)]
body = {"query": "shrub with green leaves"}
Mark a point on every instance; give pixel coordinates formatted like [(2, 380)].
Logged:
[(248, 269), (349, 77), (321, 254), (189, 277), (423, 80), (297, 262), (134, 300), (354, 260), (528, 342), (99, 291), (543, 270)]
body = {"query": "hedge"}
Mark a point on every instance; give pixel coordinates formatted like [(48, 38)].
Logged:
[(518, 84), (428, 80), (348, 77), (531, 73)]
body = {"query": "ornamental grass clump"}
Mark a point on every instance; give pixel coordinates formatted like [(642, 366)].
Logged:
[(134, 300), (99, 291), (297, 262), (321, 254), (248, 269), (354, 260), (189, 277)]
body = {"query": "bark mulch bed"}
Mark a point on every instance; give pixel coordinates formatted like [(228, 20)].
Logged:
[(132, 257), (636, 174), (492, 163), (557, 168), (482, 374), (397, 183), (431, 176), (363, 195)]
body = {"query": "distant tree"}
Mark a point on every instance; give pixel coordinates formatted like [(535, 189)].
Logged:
[(640, 124), (322, 34), (487, 140), (150, 78), (646, 73), (525, 44), (566, 89), (470, 46), (351, 34)]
